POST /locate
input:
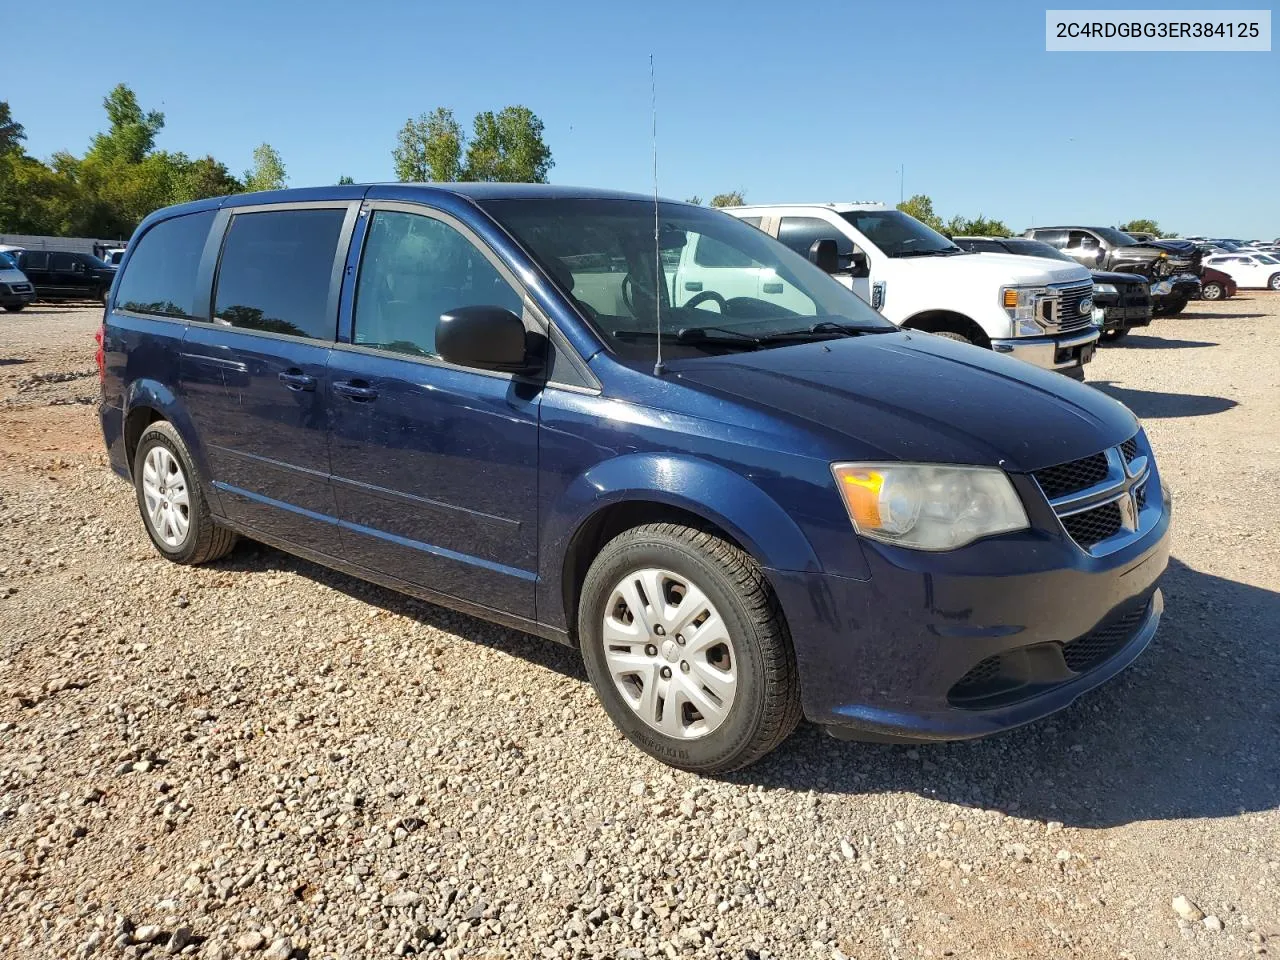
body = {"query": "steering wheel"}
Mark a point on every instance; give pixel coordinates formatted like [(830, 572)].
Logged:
[(705, 295), (628, 296)]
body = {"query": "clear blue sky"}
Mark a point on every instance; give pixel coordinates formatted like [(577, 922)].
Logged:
[(785, 100)]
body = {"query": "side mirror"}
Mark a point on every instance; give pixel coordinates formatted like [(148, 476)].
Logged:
[(858, 265), (486, 337), (824, 255)]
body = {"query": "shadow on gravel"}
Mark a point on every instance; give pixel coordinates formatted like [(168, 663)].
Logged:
[(1188, 731), (1213, 316), (251, 558), (1152, 404), (1158, 343)]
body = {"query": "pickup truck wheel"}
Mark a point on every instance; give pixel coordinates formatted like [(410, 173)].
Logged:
[(1211, 291), (172, 502), (1171, 307), (17, 307), (1111, 336), (687, 648), (1274, 282), (948, 335)]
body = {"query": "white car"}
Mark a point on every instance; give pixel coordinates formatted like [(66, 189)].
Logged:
[(1257, 270), (1030, 308)]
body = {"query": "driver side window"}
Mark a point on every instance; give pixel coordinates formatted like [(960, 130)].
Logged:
[(1079, 240), (412, 270)]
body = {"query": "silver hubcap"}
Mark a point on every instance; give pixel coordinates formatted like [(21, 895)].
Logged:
[(164, 494), (669, 653), (1211, 293)]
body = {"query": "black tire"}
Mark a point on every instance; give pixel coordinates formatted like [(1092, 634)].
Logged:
[(1118, 333), (15, 308), (949, 335), (1171, 307), (205, 541), (1274, 281), (1212, 291), (766, 703)]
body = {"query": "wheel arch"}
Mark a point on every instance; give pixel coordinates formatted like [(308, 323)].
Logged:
[(147, 401), (634, 490), (950, 321)]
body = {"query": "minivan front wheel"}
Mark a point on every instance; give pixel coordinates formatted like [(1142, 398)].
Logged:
[(171, 500), (687, 648)]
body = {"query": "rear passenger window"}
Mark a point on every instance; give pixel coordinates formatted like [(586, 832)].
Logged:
[(412, 270), (161, 277), (35, 260), (275, 271)]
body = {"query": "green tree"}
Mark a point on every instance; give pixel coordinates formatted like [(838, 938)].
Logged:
[(734, 198), (921, 207), (1142, 226), (959, 226), (267, 172), (429, 148), (508, 147), (132, 134), (11, 132), (345, 180), (33, 197), (695, 200), (200, 178)]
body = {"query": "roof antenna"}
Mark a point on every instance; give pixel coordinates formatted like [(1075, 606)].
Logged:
[(658, 368)]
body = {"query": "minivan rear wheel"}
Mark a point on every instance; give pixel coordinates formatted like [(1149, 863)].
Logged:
[(172, 502), (687, 648)]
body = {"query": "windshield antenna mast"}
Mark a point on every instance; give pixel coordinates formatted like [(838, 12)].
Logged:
[(658, 280)]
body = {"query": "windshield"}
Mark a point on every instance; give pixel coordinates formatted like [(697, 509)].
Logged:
[(1262, 257), (7, 262), (723, 285), (1036, 248), (898, 235), (1114, 236)]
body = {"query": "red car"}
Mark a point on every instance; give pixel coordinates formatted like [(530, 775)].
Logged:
[(1216, 285)]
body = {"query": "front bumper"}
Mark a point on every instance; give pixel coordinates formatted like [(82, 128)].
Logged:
[(1123, 312), (1052, 353), (1181, 287), (894, 658), (10, 297)]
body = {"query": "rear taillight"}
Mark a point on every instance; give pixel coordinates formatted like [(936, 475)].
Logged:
[(100, 355)]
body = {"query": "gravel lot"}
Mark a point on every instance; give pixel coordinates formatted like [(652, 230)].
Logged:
[(265, 759)]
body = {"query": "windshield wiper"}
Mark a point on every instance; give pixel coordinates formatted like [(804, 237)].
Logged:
[(944, 252)]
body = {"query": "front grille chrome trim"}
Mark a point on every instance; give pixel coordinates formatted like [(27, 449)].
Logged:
[(1126, 485)]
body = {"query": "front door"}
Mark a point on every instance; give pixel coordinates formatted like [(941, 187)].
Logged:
[(800, 233), (69, 276), (254, 379), (434, 466)]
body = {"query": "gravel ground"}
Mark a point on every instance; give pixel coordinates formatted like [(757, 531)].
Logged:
[(265, 759)]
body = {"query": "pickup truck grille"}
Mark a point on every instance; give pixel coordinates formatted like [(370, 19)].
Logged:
[(1105, 500), (19, 287), (1060, 310)]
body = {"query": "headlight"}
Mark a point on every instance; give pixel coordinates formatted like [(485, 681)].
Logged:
[(1106, 289), (927, 506), (1022, 304)]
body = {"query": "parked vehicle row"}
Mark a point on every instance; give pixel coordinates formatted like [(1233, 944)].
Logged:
[(742, 493), (57, 275), (1172, 268)]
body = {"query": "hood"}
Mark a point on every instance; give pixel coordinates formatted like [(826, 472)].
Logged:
[(1107, 276), (11, 275), (1007, 269), (916, 397)]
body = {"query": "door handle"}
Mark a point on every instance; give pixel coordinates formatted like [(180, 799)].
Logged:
[(297, 380), (356, 390), (693, 286), (772, 288)]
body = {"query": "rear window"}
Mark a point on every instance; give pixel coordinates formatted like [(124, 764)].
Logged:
[(275, 271), (161, 277)]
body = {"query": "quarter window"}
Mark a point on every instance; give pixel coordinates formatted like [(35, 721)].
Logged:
[(414, 269), (161, 277), (275, 271)]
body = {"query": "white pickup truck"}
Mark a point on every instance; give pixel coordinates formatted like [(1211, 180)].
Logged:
[(1035, 309)]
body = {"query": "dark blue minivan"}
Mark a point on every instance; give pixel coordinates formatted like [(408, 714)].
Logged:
[(494, 397)]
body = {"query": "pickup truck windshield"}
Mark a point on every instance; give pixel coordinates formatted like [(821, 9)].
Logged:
[(898, 235), (1115, 237), (722, 286), (7, 263)]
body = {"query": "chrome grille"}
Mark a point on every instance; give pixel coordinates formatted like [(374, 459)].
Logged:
[(1060, 310), (1105, 500)]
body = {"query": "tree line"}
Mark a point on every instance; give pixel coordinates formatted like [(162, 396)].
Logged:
[(118, 180)]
